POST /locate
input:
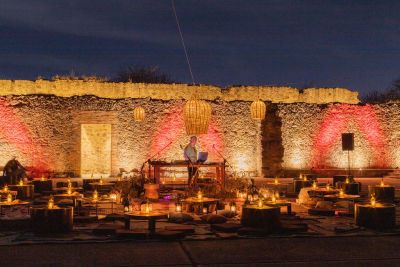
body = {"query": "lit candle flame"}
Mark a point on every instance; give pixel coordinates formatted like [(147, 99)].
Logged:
[(199, 195), (113, 197), (341, 193), (101, 180), (95, 195), (50, 204), (276, 181), (42, 178), (69, 191), (328, 187), (9, 198), (69, 184), (314, 185), (347, 180), (273, 199), (178, 208), (382, 183), (373, 201), (21, 182), (233, 207), (5, 188), (260, 203)]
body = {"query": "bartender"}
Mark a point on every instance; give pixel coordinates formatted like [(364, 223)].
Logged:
[(190, 154)]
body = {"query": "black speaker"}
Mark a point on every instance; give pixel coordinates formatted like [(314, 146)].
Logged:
[(347, 141)]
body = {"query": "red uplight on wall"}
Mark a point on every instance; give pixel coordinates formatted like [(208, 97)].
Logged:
[(337, 120)]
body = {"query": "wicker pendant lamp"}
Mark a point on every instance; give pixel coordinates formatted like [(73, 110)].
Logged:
[(196, 115), (258, 109)]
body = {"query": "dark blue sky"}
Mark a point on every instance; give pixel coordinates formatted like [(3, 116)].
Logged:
[(352, 44)]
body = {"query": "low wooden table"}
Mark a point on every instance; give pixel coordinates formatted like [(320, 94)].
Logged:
[(199, 203), (73, 197), (12, 204), (322, 191), (380, 216), (151, 217), (96, 203), (338, 197), (56, 220), (281, 203)]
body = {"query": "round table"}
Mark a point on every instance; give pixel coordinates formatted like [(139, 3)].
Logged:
[(380, 216), (55, 220), (197, 204), (383, 193), (25, 191), (151, 217)]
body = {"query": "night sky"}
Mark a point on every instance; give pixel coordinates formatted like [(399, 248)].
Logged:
[(352, 44)]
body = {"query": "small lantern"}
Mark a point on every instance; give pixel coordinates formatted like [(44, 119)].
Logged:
[(232, 207), (95, 195), (196, 115), (341, 193), (9, 198), (276, 181), (314, 185), (328, 187), (373, 201), (69, 184), (273, 199), (42, 179), (260, 203), (200, 195), (5, 188), (205, 210), (21, 182), (113, 197), (178, 207), (347, 180), (148, 207), (382, 184), (258, 110), (69, 191), (138, 114), (50, 204)]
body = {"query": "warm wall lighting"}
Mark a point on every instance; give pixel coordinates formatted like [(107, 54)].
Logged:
[(258, 110), (138, 114)]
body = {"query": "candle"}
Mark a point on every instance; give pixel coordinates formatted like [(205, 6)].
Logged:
[(373, 201), (42, 178), (148, 207), (69, 191), (347, 180), (328, 187), (276, 181), (341, 193), (205, 210), (260, 203), (9, 198), (382, 183), (178, 207), (314, 185), (21, 182), (199, 195), (233, 207), (95, 195), (5, 188), (273, 199), (50, 204), (101, 180), (113, 197), (69, 184)]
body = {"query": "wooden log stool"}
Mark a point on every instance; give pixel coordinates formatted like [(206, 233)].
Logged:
[(352, 188), (55, 220), (299, 184), (25, 191), (383, 193), (265, 217), (380, 216)]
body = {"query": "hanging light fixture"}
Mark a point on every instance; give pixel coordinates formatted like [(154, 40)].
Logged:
[(138, 112), (196, 115), (258, 109)]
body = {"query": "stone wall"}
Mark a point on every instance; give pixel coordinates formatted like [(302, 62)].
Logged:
[(311, 135), (68, 88)]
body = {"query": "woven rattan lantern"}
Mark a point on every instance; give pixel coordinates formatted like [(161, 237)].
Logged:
[(196, 114), (257, 110), (138, 114)]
